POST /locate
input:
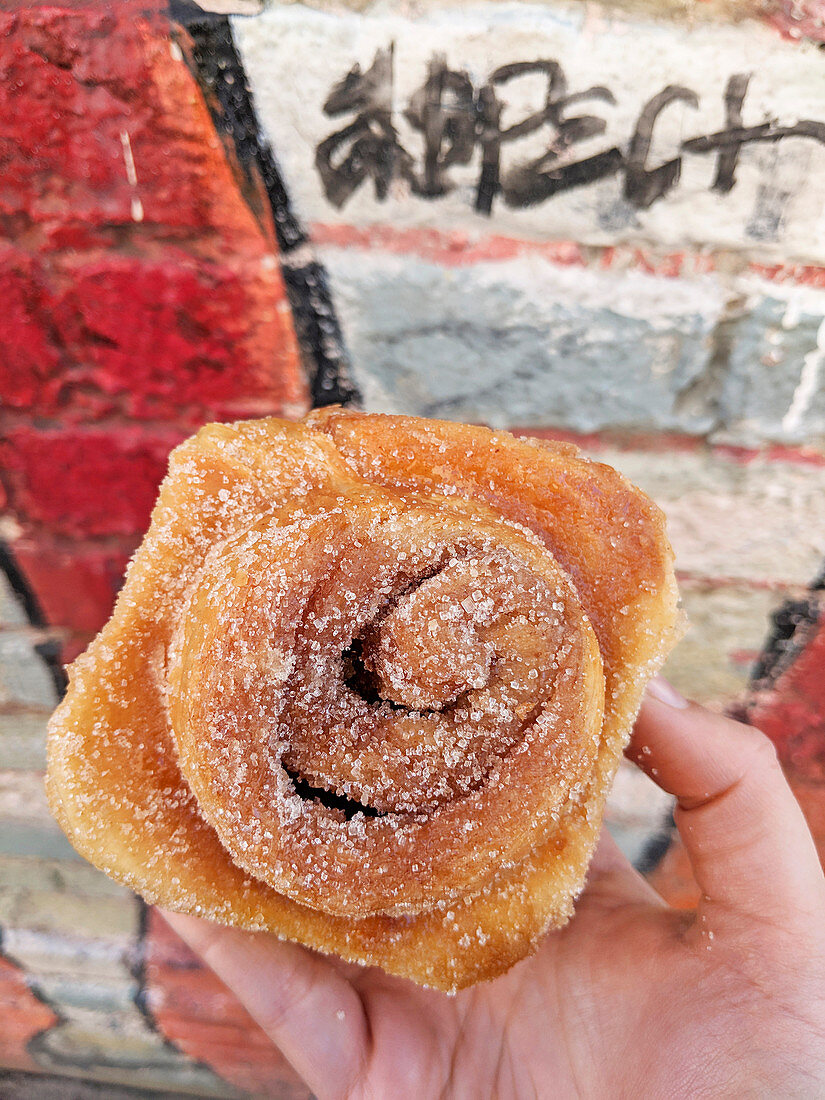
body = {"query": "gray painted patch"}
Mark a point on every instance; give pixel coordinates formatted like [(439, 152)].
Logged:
[(12, 612), (33, 841), (23, 738), (525, 342), (775, 385), (24, 678)]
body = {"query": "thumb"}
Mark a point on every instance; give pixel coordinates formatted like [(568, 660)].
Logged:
[(749, 846)]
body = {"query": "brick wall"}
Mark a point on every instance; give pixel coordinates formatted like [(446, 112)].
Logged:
[(185, 235), (525, 222), (142, 296)]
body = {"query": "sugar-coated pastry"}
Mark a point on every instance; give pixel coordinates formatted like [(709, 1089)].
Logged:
[(366, 687)]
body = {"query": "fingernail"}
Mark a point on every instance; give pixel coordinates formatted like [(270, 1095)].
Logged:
[(665, 692)]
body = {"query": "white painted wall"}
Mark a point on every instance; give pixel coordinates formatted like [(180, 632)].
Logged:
[(295, 55), (719, 351)]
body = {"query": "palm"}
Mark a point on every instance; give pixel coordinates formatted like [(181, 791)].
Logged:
[(494, 1039), (632, 998), (590, 1014)]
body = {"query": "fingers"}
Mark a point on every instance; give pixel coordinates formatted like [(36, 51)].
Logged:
[(302, 1002), (749, 845)]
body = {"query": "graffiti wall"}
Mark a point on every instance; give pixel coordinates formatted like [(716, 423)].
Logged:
[(599, 223), (519, 191)]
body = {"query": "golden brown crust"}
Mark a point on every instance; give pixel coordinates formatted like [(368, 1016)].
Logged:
[(504, 601)]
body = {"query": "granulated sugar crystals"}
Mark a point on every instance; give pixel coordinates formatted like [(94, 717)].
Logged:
[(366, 687)]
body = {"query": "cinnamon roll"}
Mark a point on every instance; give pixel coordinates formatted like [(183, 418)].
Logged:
[(366, 687)]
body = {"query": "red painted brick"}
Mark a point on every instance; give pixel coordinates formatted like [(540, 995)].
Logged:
[(181, 316), (177, 338), (73, 645), (85, 482), (132, 7), (76, 237), (798, 19), (74, 87), (792, 711), (75, 584), (31, 357), (23, 1016), (446, 247)]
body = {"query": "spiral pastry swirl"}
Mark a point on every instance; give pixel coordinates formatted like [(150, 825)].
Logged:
[(366, 686)]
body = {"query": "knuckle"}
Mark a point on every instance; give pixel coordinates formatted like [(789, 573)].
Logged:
[(286, 1002)]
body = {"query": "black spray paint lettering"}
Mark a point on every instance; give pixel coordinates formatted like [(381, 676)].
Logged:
[(369, 147), (730, 141), (443, 110), (531, 183), (642, 185), (455, 119)]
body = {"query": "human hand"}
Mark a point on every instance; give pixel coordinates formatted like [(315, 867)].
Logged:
[(631, 999)]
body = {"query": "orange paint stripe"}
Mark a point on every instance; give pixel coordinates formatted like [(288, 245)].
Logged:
[(676, 442), (458, 249), (22, 1016)]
